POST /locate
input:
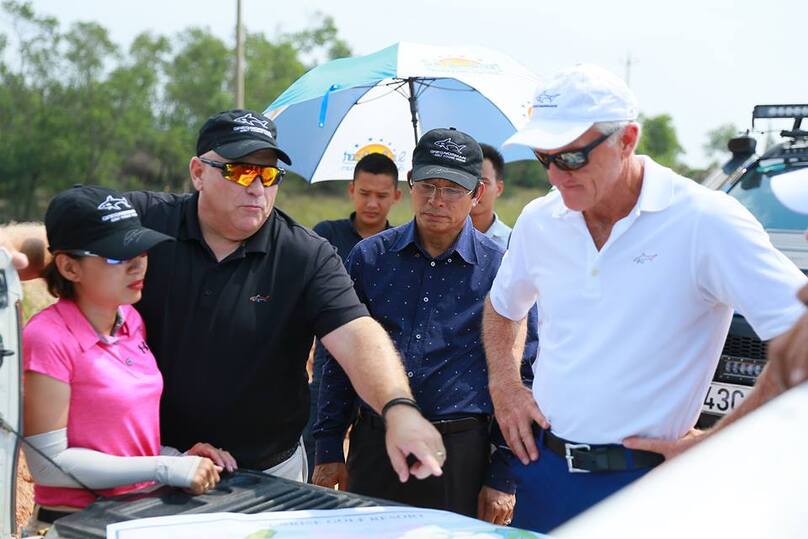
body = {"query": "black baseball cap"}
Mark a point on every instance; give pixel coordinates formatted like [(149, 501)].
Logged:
[(236, 133), (100, 221), (448, 154)]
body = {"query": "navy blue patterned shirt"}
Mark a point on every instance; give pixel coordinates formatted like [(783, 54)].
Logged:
[(432, 310)]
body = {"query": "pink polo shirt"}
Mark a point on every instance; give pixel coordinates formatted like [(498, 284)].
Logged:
[(115, 388)]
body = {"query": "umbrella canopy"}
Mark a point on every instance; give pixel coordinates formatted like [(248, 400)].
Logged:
[(344, 109)]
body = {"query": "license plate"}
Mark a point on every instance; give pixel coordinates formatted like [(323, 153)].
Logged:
[(723, 398)]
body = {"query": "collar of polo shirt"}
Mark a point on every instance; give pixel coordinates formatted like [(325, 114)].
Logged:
[(656, 193)]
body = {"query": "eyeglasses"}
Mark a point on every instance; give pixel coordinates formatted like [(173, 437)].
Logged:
[(427, 191), (245, 173), (571, 159), (79, 253)]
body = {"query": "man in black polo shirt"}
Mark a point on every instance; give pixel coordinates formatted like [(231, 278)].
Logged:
[(373, 191), (232, 306)]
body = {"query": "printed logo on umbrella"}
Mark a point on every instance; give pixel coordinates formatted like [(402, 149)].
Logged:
[(461, 64), (352, 156)]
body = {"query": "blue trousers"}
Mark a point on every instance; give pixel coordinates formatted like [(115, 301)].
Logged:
[(547, 494)]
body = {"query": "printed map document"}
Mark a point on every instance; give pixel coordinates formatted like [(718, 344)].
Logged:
[(376, 522)]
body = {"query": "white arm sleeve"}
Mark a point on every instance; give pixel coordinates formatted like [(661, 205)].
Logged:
[(100, 470)]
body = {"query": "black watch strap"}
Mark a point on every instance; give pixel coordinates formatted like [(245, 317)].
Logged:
[(406, 401)]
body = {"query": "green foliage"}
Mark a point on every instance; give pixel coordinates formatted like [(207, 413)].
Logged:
[(526, 174), (658, 140), (76, 108), (717, 139)]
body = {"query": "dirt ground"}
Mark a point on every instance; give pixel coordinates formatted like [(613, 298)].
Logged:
[(25, 493)]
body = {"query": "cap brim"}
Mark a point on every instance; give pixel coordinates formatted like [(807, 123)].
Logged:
[(127, 244), (238, 149), (791, 189), (428, 172), (548, 135)]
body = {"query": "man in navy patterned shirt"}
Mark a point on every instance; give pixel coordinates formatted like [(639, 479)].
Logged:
[(425, 282)]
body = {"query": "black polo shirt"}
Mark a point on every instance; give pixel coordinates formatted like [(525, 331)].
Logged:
[(232, 337)]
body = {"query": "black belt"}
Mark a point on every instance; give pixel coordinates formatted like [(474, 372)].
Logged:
[(600, 458), (444, 426), (49, 516), (274, 459)]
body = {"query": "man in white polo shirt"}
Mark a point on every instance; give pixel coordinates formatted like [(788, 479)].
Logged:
[(637, 271)]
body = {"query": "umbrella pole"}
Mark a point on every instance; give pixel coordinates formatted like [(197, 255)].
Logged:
[(413, 107)]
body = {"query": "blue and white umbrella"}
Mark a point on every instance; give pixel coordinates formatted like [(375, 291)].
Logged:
[(344, 109)]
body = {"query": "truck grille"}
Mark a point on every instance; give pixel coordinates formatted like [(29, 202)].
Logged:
[(744, 347)]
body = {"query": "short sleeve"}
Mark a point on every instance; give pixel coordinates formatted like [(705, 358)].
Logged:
[(736, 265), (45, 353), (330, 299), (513, 292)]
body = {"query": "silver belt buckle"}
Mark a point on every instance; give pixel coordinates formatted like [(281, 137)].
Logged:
[(570, 457)]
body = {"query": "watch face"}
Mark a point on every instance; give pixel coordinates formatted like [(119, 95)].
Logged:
[(10, 393)]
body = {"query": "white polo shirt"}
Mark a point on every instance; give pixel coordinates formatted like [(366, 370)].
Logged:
[(632, 334)]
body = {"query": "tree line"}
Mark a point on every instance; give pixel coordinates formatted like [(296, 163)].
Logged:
[(75, 107)]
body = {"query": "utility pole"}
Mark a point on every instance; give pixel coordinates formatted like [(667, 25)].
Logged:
[(629, 62), (239, 58)]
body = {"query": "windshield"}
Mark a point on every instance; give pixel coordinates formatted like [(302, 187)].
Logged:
[(754, 191)]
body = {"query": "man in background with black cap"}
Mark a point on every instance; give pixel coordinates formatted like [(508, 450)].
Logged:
[(425, 282), (232, 306)]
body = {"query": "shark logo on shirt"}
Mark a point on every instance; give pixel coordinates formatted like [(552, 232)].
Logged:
[(258, 298), (643, 258)]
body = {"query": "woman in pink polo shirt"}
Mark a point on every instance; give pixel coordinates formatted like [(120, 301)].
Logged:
[(92, 387)]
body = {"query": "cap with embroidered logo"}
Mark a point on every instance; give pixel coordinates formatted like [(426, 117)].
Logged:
[(236, 133), (100, 221), (571, 102), (448, 154)]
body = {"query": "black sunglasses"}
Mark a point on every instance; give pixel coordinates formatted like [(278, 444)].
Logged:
[(571, 159)]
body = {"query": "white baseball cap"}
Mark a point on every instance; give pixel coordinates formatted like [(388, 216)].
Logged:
[(571, 102), (791, 189)]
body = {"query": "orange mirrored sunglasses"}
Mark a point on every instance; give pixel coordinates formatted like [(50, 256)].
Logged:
[(245, 173)]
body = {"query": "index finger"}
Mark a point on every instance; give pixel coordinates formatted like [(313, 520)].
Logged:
[(528, 439), (422, 470), (514, 439), (427, 463)]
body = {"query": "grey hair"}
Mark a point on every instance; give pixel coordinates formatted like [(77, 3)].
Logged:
[(608, 127)]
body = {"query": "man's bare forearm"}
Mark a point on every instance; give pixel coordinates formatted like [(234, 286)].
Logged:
[(504, 342), (367, 355)]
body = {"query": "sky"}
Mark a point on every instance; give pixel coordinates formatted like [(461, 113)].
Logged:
[(704, 62)]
